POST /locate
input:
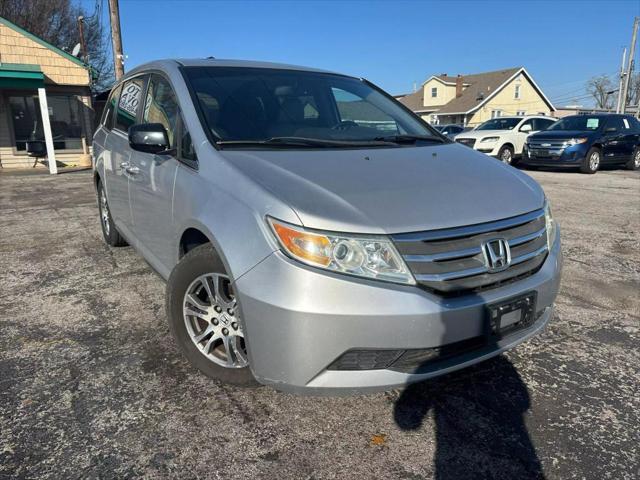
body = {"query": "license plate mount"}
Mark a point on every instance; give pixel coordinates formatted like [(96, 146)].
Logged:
[(512, 315)]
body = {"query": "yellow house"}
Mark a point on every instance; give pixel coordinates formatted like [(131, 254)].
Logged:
[(473, 99), (45, 102)]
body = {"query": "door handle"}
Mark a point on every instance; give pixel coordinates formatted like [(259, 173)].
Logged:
[(128, 168)]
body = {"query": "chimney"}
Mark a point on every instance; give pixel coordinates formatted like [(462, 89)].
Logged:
[(458, 86)]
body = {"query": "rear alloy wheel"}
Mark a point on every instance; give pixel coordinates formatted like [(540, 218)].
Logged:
[(506, 154), (204, 317), (109, 232), (591, 161), (634, 163)]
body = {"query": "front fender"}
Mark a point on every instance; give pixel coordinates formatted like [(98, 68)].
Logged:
[(232, 219)]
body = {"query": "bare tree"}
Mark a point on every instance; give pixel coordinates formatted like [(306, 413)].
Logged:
[(55, 21), (599, 88), (633, 94)]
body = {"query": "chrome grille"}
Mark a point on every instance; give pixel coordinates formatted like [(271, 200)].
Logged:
[(546, 148), (549, 144), (452, 260), (469, 142)]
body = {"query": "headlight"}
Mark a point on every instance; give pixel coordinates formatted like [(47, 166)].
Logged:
[(550, 224), (576, 141), (489, 139), (364, 256)]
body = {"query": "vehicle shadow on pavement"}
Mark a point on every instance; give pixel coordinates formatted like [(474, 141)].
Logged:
[(478, 414)]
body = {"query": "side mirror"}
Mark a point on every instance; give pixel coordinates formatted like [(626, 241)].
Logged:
[(525, 128), (149, 137)]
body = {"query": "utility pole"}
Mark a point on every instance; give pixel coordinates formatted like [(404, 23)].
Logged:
[(621, 87), (116, 39), (632, 52), (83, 45)]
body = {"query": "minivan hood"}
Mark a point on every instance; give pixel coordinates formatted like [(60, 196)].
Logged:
[(391, 190)]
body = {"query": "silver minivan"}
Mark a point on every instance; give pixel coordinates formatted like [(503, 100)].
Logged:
[(314, 234)]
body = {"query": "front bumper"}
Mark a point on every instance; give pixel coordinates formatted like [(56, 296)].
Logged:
[(298, 320), (570, 156), (491, 149)]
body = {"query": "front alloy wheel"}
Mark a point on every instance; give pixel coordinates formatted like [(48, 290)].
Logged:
[(591, 161), (506, 155), (209, 311), (204, 317)]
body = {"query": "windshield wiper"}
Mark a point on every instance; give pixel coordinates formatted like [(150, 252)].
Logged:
[(305, 142), (407, 138)]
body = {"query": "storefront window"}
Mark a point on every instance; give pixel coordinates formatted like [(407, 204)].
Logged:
[(64, 117)]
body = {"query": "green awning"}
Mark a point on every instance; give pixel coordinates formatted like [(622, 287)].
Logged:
[(21, 76)]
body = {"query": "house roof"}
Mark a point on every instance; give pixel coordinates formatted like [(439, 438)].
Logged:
[(42, 42), (479, 88), (414, 101)]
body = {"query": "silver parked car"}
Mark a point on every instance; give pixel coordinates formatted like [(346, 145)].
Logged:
[(314, 234)]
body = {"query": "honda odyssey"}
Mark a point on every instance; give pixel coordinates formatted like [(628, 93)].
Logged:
[(314, 234)]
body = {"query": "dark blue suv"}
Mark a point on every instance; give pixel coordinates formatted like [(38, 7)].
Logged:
[(587, 142)]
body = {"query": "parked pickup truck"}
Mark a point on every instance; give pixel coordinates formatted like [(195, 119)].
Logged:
[(586, 142), (504, 137)]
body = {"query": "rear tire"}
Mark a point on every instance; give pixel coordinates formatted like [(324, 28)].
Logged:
[(591, 161), (109, 231), (634, 163), (198, 299)]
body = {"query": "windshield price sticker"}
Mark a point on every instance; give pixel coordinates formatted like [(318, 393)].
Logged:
[(593, 123), (130, 98)]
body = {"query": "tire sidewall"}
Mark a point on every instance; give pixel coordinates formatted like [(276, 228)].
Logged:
[(110, 237), (501, 152), (631, 165), (199, 261), (586, 163)]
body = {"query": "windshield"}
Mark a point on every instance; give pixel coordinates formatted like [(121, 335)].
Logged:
[(241, 104), (500, 124), (581, 123)]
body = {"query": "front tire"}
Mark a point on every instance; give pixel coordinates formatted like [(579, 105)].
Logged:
[(204, 319), (634, 163), (505, 155), (591, 161), (109, 231)]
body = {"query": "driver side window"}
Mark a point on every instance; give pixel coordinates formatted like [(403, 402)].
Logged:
[(161, 106)]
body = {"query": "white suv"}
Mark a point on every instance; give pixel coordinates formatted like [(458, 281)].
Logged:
[(504, 137)]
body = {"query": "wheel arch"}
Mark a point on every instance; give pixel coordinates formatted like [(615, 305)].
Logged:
[(508, 144), (194, 234), (97, 178)]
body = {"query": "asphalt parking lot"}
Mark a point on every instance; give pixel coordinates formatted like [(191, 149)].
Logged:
[(92, 385)]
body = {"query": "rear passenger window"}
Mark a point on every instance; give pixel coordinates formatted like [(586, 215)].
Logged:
[(107, 116), (618, 124), (162, 106), (129, 103)]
